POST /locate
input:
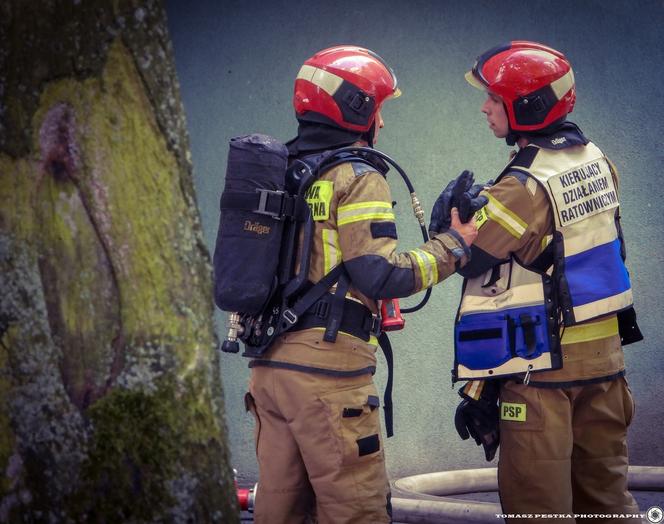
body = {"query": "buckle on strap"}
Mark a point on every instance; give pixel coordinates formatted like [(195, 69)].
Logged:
[(264, 196), (289, 316), (321, 309), (374, 326)]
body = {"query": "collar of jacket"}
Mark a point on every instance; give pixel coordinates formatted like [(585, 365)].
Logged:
[(559, 136)]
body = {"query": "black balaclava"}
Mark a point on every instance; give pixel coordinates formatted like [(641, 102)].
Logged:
[(317, 133)]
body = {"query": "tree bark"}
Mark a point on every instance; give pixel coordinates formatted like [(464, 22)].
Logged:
[(111, 406)]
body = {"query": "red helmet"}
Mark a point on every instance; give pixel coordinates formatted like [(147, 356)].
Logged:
[(535, 82), (345, 84)]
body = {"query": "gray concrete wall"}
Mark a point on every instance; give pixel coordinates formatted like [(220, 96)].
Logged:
[(237, 60)]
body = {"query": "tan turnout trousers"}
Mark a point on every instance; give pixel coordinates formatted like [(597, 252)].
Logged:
[(569, 455), (319, 445)]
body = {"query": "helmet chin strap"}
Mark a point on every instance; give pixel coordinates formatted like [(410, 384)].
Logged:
[(511, 137), (369, 136)]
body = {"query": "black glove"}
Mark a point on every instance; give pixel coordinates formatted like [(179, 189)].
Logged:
[(470, 201), (441, 214), (479, 418)]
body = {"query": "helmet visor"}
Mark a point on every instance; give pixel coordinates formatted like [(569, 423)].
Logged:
[(474, 81), (476, 77)]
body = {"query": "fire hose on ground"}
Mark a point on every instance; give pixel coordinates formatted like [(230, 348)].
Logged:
[(428, 498)]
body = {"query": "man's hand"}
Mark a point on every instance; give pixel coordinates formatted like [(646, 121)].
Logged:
[(470, 202), (459, 193), (468, 231), (442, 208), (478, 418)]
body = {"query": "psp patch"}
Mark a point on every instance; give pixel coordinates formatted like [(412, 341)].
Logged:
[(514, 412), (319, 196)]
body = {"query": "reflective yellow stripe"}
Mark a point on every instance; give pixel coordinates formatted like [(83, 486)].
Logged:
[(368, 216), (359, 211), (331, 250), (434, 267), (474, 389), (587, 332), (363, 205), (427, 265), (420, 264), (503, 216)]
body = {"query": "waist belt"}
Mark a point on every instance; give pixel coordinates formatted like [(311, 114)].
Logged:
[(356, 318)]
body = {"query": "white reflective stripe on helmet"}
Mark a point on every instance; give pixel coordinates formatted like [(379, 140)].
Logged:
[(328, 82), (562, 86)]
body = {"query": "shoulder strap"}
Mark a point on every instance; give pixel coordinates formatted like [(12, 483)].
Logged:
[(525, 157), (335, 157), (521, 161)]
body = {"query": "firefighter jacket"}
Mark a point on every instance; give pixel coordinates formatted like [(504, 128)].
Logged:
[(355, 225), (547, 274)]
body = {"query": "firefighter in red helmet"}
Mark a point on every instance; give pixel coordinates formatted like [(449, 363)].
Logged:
[(318, 439), (549, 264), (344, 86)]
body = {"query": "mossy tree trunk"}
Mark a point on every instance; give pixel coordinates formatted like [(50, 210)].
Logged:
[(111, 406)]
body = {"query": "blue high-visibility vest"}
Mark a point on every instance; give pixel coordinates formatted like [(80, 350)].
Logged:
[(509, 319)]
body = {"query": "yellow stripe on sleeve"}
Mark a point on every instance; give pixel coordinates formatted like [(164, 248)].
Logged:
[(473, 389), (546, 240), (427, 265), (376, 210), (433, 266), (331, 249), (362, 205), (506, 218)]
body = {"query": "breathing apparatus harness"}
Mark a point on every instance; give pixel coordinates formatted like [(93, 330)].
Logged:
[(293, 302), (297, 296)]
